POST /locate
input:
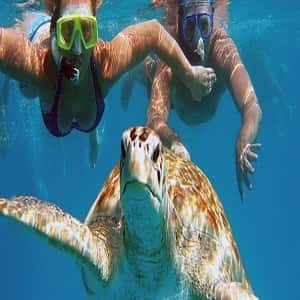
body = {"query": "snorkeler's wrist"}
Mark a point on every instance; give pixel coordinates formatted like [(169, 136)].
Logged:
[(188, 75), (241, 142)]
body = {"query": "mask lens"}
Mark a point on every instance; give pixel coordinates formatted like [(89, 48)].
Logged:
[(67, 28), (86, 29), (189, 25), (205, 25)]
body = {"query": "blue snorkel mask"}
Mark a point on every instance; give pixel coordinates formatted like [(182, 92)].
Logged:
[(196, 26)]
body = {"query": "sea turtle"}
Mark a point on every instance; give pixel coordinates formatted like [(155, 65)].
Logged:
[(157, 230)]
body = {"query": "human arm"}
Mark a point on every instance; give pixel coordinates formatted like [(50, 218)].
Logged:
[(20, 59), (226, 58), (159, 107), (133, 44)]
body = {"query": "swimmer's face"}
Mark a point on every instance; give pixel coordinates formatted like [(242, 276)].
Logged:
[(78, 56), (196, 22)]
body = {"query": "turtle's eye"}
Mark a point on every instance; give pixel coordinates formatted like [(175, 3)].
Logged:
[(123, 153), (155, 154)]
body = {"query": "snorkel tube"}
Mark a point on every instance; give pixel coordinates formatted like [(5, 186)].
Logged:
[(65, 66)]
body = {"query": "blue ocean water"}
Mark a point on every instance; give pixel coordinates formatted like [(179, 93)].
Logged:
[(265, 226)]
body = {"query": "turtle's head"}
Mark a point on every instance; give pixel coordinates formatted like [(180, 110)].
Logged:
[(142, 179)]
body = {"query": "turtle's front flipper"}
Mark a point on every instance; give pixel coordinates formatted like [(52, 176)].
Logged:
[(233, 291), (63, 231)]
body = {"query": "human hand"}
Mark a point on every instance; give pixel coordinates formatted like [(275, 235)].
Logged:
[(243, 166), (201, 81), (180, 150)]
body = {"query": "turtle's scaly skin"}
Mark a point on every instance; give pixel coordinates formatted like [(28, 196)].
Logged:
[(200, 242), (205, 246)]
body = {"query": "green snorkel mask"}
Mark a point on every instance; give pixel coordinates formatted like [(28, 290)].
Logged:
[(68, 26)]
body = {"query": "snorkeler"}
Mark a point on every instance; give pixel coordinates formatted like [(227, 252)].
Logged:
[(196, 25), (35, 25), (72, 69)]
